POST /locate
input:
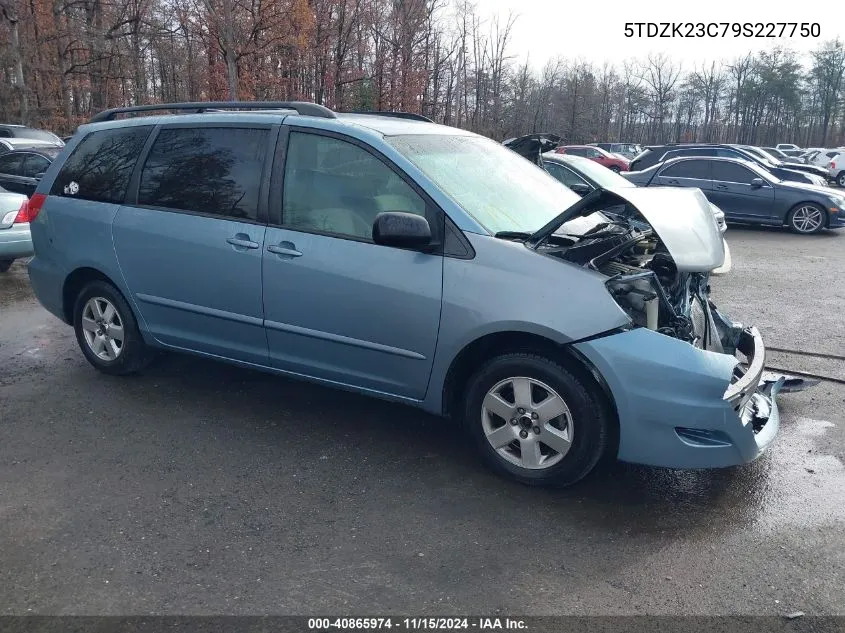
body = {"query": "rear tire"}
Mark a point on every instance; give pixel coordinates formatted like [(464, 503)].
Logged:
[(107, 331), (535, 421), (840, 179), (615, 169), (807, 218), (5, 264)]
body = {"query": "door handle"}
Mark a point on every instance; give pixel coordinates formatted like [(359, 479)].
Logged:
[(241, 240), (721, 187), (674, 182), (287, 249)]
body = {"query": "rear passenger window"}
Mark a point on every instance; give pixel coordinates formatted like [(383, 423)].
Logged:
[(698, 169), (101, 165), (205, 170), (11, 163)]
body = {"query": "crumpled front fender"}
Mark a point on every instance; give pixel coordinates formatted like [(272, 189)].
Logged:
[(670, 399)]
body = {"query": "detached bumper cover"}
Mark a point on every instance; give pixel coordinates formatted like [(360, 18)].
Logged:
[(683, 407)]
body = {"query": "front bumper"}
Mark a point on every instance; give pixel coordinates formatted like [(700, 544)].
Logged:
[(15, 242), (683, 407)]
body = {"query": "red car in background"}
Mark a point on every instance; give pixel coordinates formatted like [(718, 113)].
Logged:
[(602, 157)]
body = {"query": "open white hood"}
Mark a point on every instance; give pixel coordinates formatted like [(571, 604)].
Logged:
[(683, 219)]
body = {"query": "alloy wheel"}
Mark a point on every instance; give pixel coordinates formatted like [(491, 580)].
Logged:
[(527, 422), (807, 219), (102, 328)]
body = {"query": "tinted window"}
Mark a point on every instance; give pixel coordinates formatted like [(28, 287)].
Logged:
[(205, 170), (688, 169), (578, 151), (731, 172), (100, 166), (11, 163), (729, 153), (4, 133), (566, 176), (332, 186), (34, 165)]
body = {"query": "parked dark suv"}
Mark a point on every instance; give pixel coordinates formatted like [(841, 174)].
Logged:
[(659, 153)]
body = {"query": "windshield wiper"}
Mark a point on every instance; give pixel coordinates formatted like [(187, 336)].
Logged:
[(513, 235)]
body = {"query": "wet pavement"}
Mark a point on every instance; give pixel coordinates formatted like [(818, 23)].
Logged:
[(202, 488)]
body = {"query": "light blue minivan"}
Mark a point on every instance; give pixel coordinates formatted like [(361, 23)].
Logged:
[(411, 261)]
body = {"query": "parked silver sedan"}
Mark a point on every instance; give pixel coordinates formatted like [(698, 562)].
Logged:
[(15, 240)]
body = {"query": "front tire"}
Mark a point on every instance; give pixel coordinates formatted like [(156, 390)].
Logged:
[(107, 331), (615, 169), (807, 218), (840, 179), (535, 421)]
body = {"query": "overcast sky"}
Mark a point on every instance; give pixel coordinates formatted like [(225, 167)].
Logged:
[(594, 31)]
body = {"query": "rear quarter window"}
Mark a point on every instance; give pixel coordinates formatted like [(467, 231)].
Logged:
[(101, 165)]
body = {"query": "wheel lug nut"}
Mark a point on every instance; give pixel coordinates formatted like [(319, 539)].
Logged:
[(536, 430), (534, 415), (523, 434), (513, 421), (520, 410)]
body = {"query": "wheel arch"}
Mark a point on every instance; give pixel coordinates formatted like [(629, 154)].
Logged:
[(488, 346), (76, 281), (815, 204)]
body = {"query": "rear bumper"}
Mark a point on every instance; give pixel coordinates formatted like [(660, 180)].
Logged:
[(683, 407), (15, 242), (47, 282)]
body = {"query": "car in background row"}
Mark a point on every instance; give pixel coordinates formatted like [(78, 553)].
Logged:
[(783, 157), (787, 147), (627, 150), (584, 176), (602, 157), (9, 130), (761, 152), (11, 144), (15, 240), (836, 168), (659, 153), (21, 169), (748, 193)]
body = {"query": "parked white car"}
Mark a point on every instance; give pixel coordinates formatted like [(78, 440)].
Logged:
[(786, 146), (836, 168)]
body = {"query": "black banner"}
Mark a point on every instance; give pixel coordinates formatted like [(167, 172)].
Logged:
[(792, 623)]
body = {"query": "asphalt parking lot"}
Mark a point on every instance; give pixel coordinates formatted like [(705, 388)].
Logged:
[(199, 488)]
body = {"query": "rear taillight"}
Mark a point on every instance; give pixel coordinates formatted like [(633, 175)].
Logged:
[(832, 164), (30, 208)]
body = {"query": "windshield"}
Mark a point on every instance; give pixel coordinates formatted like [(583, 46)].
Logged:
[(604, 177), (499, 188)]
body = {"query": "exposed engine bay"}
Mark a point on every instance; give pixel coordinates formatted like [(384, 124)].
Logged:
[(645, 281)]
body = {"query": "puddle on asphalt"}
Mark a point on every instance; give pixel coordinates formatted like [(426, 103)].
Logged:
[(797, 483)]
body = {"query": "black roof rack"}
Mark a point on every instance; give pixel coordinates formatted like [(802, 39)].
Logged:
[(396, 115), (300, 107)]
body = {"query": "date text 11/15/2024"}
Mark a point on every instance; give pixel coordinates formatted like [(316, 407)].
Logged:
[(417, 624)]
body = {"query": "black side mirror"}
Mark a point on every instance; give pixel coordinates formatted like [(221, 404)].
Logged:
[(582, 189), (404, 230), (756, 183)]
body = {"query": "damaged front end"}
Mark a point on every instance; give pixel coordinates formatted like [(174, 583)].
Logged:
[(687, 376)]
